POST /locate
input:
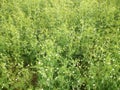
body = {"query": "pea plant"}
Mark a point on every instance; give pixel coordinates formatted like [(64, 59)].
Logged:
[(59, 44)]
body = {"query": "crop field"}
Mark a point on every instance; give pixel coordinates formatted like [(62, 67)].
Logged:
[(59, 44)]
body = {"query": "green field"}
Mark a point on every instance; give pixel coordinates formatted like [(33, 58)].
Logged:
[(59, 44)]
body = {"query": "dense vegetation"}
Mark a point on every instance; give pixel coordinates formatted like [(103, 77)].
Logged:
[(59, 44)]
